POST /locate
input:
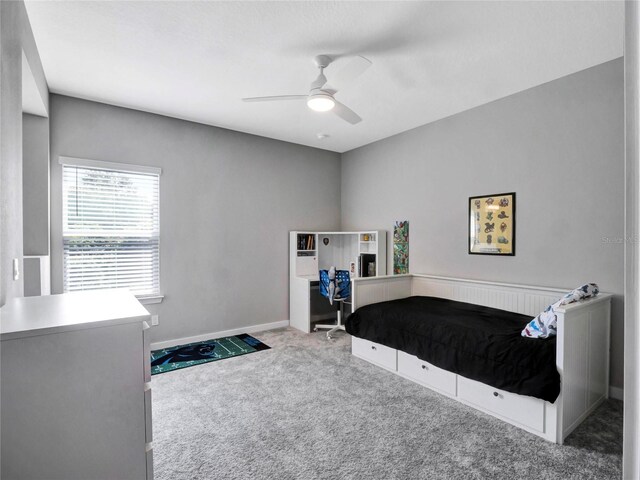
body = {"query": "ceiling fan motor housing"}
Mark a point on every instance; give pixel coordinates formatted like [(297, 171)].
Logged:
[(322, 61)]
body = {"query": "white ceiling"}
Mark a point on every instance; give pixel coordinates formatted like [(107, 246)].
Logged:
[(196, 60)]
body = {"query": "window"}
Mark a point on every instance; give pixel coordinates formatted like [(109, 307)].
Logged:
[(111, 226)]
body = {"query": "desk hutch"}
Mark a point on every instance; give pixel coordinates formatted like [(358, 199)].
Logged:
[(310, 252)]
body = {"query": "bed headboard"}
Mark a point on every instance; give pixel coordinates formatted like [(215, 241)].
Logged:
[(379, 289), (524, 299)]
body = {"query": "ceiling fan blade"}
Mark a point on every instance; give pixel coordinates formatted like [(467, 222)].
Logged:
[(349, 72), (275, 98), (346, 113)]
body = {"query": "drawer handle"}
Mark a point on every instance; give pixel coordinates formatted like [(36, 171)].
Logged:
[(373, 347), (496, 394), (424, 367)]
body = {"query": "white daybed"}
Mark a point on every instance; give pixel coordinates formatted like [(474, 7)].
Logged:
[(582, 354)]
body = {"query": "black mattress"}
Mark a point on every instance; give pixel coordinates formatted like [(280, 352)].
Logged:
[(480, 343)]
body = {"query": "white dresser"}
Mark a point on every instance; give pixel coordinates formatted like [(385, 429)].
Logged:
[(75, 394)]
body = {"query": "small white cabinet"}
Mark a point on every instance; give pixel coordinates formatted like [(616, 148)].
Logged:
[(75, 404)]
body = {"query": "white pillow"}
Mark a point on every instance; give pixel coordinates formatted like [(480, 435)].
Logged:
[(546, 323)]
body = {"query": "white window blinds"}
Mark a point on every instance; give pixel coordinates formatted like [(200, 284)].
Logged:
[(111, 229)]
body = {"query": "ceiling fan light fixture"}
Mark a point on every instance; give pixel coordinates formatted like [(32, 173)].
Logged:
[(321, 102)]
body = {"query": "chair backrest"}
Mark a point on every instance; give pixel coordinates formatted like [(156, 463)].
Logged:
[(343, 284)]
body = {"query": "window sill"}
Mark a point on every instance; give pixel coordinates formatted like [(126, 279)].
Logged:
[(150, 299)]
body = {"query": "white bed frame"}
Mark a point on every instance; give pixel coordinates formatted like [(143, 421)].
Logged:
[(582, 355)]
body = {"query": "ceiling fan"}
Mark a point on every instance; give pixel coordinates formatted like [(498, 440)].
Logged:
[(321, 97)]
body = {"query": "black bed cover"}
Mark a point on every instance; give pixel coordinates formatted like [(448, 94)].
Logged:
[(480, 343)]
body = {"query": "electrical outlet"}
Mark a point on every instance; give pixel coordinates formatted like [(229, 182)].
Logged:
[(154, 320), (16, 269)]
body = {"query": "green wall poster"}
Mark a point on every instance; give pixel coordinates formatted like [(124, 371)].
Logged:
[(401, 247)]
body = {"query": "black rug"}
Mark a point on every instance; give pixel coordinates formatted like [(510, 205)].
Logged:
[(183, 356)]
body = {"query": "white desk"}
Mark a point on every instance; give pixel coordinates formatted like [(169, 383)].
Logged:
[(308, 253), (75, 402)]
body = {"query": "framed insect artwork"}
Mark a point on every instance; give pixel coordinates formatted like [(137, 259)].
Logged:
[(492, 224)]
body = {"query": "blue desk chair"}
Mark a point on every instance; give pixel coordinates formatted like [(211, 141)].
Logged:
[(336, 286)]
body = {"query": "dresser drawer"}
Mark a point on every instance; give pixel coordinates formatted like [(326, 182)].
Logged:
[(522, 409), (149, 459), (148, 418), (426, 374), (375, 353)]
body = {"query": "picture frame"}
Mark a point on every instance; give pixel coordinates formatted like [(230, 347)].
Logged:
[(492, 224), (401, 247)]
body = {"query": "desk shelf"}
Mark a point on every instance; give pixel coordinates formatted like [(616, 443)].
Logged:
[(306, 241)]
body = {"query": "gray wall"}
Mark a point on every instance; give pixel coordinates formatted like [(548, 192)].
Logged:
[(559, 146), (35, 182), (15, 37), (10, 149), (227, 202)]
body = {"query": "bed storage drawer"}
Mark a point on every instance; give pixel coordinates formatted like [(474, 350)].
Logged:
[(426, 374), (375, 353), (527, 411)]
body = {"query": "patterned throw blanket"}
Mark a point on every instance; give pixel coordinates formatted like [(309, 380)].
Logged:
[(546, 323)]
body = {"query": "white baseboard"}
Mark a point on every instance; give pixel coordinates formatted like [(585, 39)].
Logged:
[(616, 393), (225, 333)]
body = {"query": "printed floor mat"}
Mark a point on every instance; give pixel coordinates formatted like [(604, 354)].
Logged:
[(183, 356)]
